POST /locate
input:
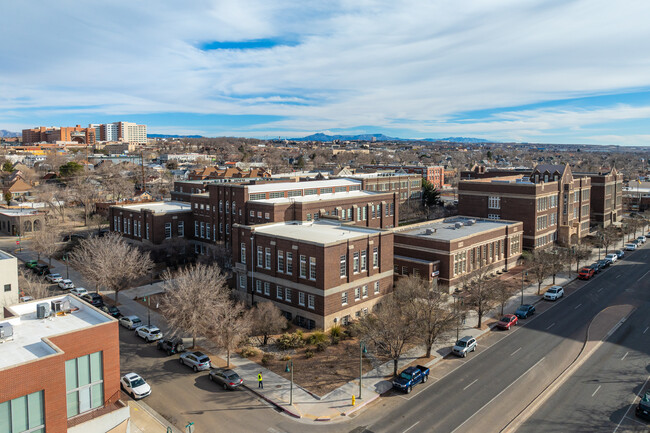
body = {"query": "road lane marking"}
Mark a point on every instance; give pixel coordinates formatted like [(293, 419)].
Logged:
[(618, 276), (411, 427), (475, 380), (577, 306), (600, 289), (646, 329), (643, 276), (630, 406), (596, 390), (624, 356), (515, 351), (502, 391), (636, 421), (551, 325)]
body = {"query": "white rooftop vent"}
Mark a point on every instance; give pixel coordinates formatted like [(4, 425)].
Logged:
[(429, 231), (458, 225), (470, 222)]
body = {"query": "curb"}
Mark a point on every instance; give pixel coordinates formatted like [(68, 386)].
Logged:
[(278, 405), (360, 406)]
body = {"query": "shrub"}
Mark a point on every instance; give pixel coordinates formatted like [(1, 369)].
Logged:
[(309, 353), (290, 341), (335, 339), (266, 359), (336, 331), (321, 346), (247, 352), (316, 337), (286, 358)]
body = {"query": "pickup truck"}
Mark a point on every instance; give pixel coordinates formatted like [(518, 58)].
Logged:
[(411, 377)]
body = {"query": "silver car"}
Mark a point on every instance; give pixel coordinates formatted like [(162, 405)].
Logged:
[(130, 322), (226, 378), (464, 346), (196, 360)]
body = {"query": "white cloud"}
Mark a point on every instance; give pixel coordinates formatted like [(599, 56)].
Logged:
[(409, 64)]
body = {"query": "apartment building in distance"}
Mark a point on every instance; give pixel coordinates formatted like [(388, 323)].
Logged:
[(434, 174), (60, 373), (448, 249), (552, 203), (319, 273)]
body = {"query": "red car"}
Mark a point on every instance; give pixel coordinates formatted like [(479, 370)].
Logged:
[(507, 321), (586, 273)]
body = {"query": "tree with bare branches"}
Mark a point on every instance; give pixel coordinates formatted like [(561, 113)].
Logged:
[(194, 298), (267, 320), (539, 266), (31, 285), (55, 197), (479, 288), (580, 253), (110, 262), (47, 241), (557, 258), (233, 325), (84, 189), (607, 236)]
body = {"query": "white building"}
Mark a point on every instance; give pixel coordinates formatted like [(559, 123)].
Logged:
[(8, 280)]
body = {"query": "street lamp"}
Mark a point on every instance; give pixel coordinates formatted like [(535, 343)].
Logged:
[(362, 350), (523, 274), (67, 271), (290, 369)]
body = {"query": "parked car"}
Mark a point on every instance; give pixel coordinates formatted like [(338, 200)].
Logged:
[(196, 360), (464, 346), (586, 273), (148, 332), (611, 258), (554, 293), (130, 322), (524, 311), (641, 239), (94, 299), (134, 385), (410, 377), (31, 263), (595, 267), (25, 299), (53, 278), (603, 263), (630, 247), (620, 253), (66, 285), (643, 408), (111, 310), (171, 345), (636, 242), (78, 291), (507, 321), (226, 378), (41, 269)]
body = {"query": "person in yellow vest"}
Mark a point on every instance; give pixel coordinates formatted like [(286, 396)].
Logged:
[(259, 380)]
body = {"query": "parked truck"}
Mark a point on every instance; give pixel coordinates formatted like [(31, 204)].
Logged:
[(410, 377)]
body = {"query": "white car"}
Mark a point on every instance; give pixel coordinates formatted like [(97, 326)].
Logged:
[(130, 322), (630, 247), (149, 333), (134, 385), (53, 278), (641, 239), (78, 291), (66, 285), (611, 257), (554, 293)]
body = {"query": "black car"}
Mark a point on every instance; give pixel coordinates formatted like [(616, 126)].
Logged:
[(94, 299), (596, 267), (41, 269), (603, 263), (171, 345), (643, 408), (111, 310), (524, 311)]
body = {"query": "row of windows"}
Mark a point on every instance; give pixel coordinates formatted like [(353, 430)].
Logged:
[(475, 258), (23, 414), (544, 203), (359, 262), (543, 240), (281, 293), (359, 293), (129, 226), (404, 270)]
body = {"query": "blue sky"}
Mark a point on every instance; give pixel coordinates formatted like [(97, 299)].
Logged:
[(555, 71)]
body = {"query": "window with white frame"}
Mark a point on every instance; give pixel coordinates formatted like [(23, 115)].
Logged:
[(227, 228), (279, 292), (364, 291), (181, 228), (242, 253), (312, 268), (301, 298), (343, 265), (344, 298), (258, 286), (280, 261), (168, 230), (267, 288), (289, 263), (311, 301), (375, 257), (364, 261), (355, 262), (376, 287), (196, 229), (303, 266), (267, 258), (494, 216), (357, 294), (260, 256), (242, 281), (287, 294), (494, 202), (207, 230), (202, 230)]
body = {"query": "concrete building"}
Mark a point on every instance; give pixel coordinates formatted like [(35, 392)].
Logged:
[(553, 205), (61, 373), (451, 248), (318, 273), (8, 280), (12, 220), (131, 133)]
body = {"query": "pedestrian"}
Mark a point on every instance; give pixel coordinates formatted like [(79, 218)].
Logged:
[(259, 380)]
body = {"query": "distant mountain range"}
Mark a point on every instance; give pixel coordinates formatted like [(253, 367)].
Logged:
[(4, 133), (381, 137), (172, 136)]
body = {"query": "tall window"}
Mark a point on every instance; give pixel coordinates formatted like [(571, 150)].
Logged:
[(301, 298), (364, 291), (364, 261), (494, 202), (242, 257), (267, 258), (84, 383), (23, 414), (312, 268), (207, 231), (280, 261), (278, 292), (147, 230), (375, 257), (289, 263), (355, 262), (260, 257), (376, 287), (344, 298), (258, 286), (196, 229), (357, 294), (202, 229), (181, 229), (343, 265), (311, 301), (287, 294), (168, 230), (303, 266), (267, 288)]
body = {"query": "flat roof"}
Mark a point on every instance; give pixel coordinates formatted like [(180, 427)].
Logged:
[(29, 332), (447, 230), (159, 206), (319, 232), (5, 255), (19, 212), (285, 186), (320, 197)]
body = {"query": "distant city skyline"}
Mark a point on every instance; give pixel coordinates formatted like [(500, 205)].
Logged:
[(540, 71)]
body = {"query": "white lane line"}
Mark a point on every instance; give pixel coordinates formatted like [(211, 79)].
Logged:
[(577, 306), (515, 351), (596, 390), (643, 276), (646, 329), (475, 380), (551, 325), (618, 276), (600, 289), (411, 427), (625, 356), (502, 391), (630, 406)]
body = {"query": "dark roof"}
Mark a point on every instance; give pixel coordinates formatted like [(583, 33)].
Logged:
[(551, 168)]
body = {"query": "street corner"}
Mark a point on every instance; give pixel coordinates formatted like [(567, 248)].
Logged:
[(268, 397), (360, 405)]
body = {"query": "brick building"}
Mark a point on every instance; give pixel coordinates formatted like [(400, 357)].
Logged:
[(606, 197), (450, 248), (432, 173), (318, 273), (408, 186), (228, 173), (61, 374), (55, 134), (553, 205)]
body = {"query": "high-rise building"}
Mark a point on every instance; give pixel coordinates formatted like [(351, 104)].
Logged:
[(132, 133)]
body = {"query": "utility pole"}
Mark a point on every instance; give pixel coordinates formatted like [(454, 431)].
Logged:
[(144, 181)]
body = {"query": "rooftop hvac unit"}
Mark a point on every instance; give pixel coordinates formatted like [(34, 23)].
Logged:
[(60, 306), (470, 222), (429, 231), (6, 331), (458, 225), (42, 310)]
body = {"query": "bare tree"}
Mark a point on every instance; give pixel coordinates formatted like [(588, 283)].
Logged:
[(502, 294), (31, 285), (47, 241), (267, 320), (232, 326), (557, 258), (539, 266), (391, 327), (194, 298), (110, 262), (607, 237), (55, 197), (579, 254), (480, 293), (97, 221), (84, 190)]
